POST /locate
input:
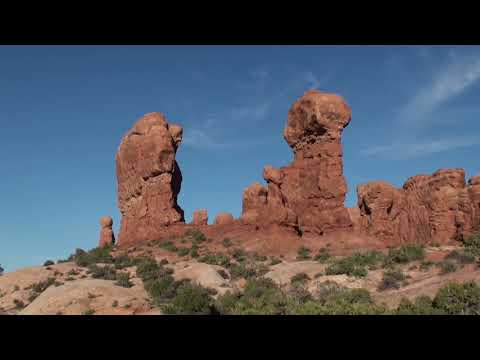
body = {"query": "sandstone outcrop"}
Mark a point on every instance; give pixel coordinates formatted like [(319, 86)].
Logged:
[(309, 193), (438, 207), (200, 217), (149, 178), (224, 218), (106, 233)]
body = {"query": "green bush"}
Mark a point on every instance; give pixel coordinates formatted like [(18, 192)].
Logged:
[(48, 263), (447, 267), (300, 277), (461, 257), (123, 280), (227, 242), (43, 285), (392, 279), (190, 299), (458, 299), (356, 265), (275, 261), (322, 256), (257, 257), (239, 255), (215, 259), (89, 312), (426, 264), (183, 251), (123, 261), (303, 253), (196, 235), (103, 272), (422, 305), (169, 246), (472, 245), (19, 304), (93, 256), (404, 255)]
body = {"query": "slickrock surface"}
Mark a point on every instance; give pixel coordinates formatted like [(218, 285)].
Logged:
[(149, 178)]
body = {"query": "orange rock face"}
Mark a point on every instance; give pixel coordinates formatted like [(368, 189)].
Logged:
[(224, 218), (106, 233), (310, 193), (149, 178), (438, 207), (200, 217)]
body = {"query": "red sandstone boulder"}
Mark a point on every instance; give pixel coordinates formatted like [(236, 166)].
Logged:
[(200, 217), (224, 218), (106, 233), (149, 178)]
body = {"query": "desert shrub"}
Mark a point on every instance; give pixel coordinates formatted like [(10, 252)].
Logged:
[(426, 264), (16, 288), (72, 272), (248, 270), (161, 289), (19, 304), (183, 251), (239, 255), (461, 257), (123, 280), (196, 235), (89, 312), (458, 299), (303, 253), (48, 263), (42, 285), (93, 256), (421, 305), (322, 256), (447, 266), (102, 272), (69, 278), (355, 265), (215, 259), (194, 252), (392, 279), (260, 297), (472, 245), (147, 268), (115, 303), (327, 289), (169, 246), (300, 277), (190, 299), (298, 293), (227, 242), (275, 261), (123, 261), (404, 255), (258, 257)]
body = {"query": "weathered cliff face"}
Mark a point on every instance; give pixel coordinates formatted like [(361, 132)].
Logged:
[(438, 207), (149, 178), (309, 193)]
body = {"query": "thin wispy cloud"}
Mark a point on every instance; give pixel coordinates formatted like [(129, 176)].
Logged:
[(417, 116), (404, 151)]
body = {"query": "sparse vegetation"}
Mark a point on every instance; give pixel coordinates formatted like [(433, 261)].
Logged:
[(115, 304), (123, 261), (89, 312), (48, 263), (227, 242), (303, 253), (215, 259), (447, 266), (472, 245), (458, 299), (275, 261), (322, 256), (183, 251), (94, 256), (356, 265), (300, 277), (392, 279), (123, 280), (404, 255), (169, 246), (106, 272), (19, 304), (190, 299), (461, 257), (196, 235), (426, 265)]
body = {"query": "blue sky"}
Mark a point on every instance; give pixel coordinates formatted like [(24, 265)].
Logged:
[(64, 110)]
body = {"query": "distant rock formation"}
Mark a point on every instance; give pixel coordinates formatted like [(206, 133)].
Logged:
[(106, 233), (224, 218), (309, 193), (438, 207), (200, 217), (149, 178)]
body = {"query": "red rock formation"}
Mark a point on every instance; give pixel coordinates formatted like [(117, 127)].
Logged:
[(200, 217), (224, 218), (310, 193), (106, 233), (149, 178), (438, 207)]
